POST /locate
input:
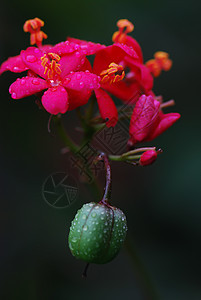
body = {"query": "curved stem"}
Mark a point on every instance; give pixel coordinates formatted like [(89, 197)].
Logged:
[(108, 186)]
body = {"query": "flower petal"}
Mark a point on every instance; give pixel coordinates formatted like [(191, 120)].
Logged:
[(55, 100), (79, 86), (144, 119), (86, 66), (166, 121), (107, 107), (87, 48), (26, 86), (131, 42), (14, 64), (114, 53), (32, 59), (71, 62), (141, 74), (82, 81), (65, 48), (129, 92)]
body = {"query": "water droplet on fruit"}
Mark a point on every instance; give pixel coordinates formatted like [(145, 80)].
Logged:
[(85, 227), (93, 214)]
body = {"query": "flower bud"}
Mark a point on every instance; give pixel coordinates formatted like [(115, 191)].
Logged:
[(148, 157), (97, 233)]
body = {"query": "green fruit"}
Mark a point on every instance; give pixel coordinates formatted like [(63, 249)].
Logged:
[(97, 233)]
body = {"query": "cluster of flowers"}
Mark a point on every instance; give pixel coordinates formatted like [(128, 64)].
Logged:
[(68, 78)]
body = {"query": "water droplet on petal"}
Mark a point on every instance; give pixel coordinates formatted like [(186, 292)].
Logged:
[(76, 47), (15, 69), (31, 58), (36, 50), (77, 54), (78, 76), (35, 81), (22, 82), (14, 96), (67, 80), (81, 85)]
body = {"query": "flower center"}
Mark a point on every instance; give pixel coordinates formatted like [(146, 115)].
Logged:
[(52, 67), (125, 27), (33, 27), (113, 74)]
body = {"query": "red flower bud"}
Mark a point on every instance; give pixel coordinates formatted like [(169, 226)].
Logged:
[(148, 157)]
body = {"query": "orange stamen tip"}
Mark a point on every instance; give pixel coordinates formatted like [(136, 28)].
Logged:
[(125, 27), (125, 24), (33, 26), (163, 60), (160, 62), (154, 67), (111, 74), (161, 55)]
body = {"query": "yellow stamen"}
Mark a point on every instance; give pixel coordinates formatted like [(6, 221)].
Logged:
[(110, 75), (51, 68)]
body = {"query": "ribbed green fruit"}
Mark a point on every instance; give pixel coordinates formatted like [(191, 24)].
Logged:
[(97, 233)]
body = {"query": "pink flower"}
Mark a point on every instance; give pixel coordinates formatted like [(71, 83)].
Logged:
[(67, 88), (148, 121)]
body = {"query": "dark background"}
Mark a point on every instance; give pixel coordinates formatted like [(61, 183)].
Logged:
[(162, 202)]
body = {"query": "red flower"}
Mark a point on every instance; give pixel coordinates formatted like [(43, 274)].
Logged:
[(108, 64), (121, 69), (148, 121), (67, 88)]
